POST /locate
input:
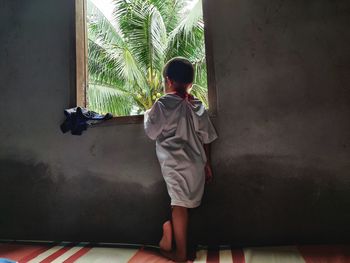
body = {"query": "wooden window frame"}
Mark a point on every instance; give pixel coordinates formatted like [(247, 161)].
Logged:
[(82, 71)]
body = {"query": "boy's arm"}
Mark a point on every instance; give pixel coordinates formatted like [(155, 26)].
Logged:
[(153, 121), (207, 168)]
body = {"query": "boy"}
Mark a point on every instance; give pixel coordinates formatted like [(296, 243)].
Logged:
[(182, 129)]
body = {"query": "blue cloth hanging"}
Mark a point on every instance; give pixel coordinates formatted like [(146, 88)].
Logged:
[(78, 119)]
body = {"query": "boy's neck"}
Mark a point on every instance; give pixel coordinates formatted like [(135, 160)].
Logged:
[(170, 90)]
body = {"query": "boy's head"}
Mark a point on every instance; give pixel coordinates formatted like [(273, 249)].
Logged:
[(178, 73)]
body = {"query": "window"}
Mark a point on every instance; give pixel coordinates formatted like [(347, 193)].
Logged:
[(122, 46)]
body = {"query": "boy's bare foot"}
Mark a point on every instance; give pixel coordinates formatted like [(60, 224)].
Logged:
[(166, 241)]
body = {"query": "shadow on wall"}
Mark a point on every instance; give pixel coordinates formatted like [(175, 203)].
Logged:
[(254, 200), (81, 208), (269, 200)]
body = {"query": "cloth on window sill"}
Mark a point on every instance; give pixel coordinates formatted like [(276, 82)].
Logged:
[(78, 119)]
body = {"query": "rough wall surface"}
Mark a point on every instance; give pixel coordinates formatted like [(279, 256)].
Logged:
[(282, 163)]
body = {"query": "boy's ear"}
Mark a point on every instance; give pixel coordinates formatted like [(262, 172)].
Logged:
[(171, 82), (167, 84), (189, 87)]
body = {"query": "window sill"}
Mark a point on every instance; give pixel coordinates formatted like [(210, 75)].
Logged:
[(135, 119)]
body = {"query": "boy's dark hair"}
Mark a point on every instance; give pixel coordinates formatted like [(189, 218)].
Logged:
[(179, 70)]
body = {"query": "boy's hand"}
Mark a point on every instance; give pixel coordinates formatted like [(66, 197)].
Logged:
[(208, 173)]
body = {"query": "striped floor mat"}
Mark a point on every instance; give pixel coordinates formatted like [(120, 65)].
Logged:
[(87, 253)]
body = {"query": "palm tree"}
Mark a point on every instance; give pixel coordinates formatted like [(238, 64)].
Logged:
[(126, 55)]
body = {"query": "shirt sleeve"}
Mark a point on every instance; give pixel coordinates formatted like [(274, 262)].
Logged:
[(205, 128), (154, 120)]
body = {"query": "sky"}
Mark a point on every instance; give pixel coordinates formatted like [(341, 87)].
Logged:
[(106, 7)]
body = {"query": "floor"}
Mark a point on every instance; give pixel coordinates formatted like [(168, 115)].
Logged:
[(85, 252)]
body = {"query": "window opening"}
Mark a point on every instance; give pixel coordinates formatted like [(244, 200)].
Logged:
[(127, 43)]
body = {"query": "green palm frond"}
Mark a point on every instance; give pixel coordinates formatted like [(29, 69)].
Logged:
[(144, 27), (107, 47), (127, 55), (201, 93), (101, 28), (187, 39), (102, 67), (105, 99), (200, 68), (190, 19), (170, 11)]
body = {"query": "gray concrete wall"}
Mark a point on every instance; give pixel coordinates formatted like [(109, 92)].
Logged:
[(281, 164)]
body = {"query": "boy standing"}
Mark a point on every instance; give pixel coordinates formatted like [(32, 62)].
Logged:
[(182, 129)]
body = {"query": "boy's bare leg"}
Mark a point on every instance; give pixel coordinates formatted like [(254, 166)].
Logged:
[(166, 241), (179, 222)]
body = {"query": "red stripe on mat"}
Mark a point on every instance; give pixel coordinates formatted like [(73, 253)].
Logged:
[(238, 256), (81, 252), (325, 254), (18, 252), (148, 256), (57, 254), (34, 254), (213, 256)]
